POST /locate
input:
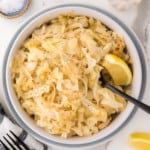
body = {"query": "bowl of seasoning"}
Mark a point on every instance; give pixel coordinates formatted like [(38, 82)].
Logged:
[(13, 9)]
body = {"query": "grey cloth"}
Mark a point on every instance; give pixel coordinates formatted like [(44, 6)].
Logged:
[(142, 22), (6, 124), (141, 26)]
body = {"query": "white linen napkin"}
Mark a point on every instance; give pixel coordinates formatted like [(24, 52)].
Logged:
[(6, 125), (124, 4)]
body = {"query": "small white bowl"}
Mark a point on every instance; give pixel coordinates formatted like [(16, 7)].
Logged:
[(138, 85), (17, 13)]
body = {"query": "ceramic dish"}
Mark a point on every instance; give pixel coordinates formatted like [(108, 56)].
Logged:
[(137, 90)]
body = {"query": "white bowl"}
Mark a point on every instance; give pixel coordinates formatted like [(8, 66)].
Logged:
[(138, 85)]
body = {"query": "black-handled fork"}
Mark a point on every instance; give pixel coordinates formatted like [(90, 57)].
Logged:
[(12, 141), (136, 102)]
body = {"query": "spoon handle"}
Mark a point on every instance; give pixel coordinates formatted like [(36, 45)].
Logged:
[(141, 105)]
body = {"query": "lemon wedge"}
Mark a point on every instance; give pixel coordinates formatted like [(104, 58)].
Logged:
[(141, 141), (118, 69)]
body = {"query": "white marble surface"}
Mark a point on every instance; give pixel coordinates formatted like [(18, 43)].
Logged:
[(140, 121)]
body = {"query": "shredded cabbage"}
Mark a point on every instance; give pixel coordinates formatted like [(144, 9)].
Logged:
[(56, 73)]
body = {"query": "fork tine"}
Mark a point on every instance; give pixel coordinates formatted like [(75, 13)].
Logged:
[(4, 145), (17, 144), (21, 142), (9, 143)]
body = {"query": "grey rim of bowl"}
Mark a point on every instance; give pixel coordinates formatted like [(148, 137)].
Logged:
[(144, 77)]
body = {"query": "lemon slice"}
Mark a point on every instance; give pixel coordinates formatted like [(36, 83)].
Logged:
[(118, 69), (141, 141)]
